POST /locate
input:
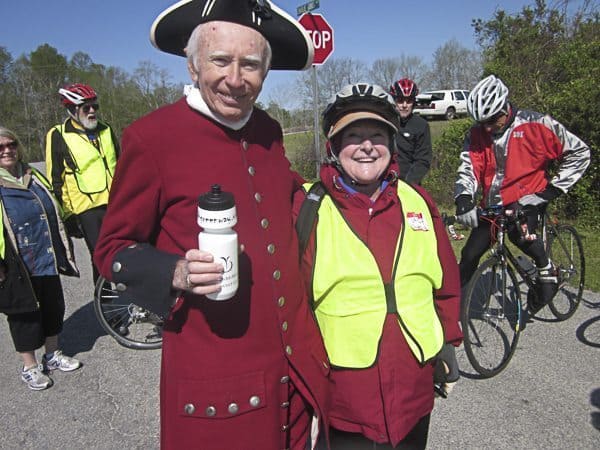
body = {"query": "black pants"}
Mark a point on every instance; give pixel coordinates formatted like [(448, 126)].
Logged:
[(416, 439), (91, 221), (30, 330), (480, 239)]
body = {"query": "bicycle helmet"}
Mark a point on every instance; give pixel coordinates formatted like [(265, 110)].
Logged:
[(76, 94), (404, 88), (488, 98), (359, 101)]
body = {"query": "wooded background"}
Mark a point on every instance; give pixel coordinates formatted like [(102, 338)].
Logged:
[(549, 59)]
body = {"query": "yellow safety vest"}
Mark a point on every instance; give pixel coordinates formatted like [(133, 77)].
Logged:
[(91, 165), (350, 298)]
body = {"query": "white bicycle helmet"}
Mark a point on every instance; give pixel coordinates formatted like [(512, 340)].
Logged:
[(488, 98)]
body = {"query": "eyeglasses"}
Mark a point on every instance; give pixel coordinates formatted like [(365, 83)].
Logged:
[(86, 108), (12, 145), (491, 121)]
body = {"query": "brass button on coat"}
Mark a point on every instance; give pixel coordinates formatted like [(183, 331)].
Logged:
[(121, 287), (284, 326), (281, 302), (264, 223), (251, 170), (245, 145), (271, 248), (233, 408), (285, 405), (116, 267), (288, 349), (277, 274), (189, 408), (211, 411), (284, 379), (258, 197)]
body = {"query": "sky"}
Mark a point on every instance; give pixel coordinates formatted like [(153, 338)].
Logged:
[(116, 32)]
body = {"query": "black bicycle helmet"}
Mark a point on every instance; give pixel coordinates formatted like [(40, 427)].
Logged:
[(359, 101)]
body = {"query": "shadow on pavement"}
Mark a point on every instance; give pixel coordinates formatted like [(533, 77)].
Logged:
[(588, 332), (81, 330), (595, 401)]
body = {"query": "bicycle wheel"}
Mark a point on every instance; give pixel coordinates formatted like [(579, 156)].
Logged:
[(566, 252), (491, 317), (130, 325)]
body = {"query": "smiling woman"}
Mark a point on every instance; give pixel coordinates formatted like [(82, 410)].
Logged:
[(361, 284), (364, 154), (34, 252)]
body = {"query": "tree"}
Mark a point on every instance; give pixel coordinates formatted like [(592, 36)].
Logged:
[(30, 104), (386, 71), (549, 60), (8, 99), (454, 67), (331, 77)]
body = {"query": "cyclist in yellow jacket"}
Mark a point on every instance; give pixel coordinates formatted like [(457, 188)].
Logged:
[(81, 154)]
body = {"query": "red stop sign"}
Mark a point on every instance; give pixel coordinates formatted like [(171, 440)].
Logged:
[(321, 34)]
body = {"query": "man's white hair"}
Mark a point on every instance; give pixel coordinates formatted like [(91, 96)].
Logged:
[(192, 49)]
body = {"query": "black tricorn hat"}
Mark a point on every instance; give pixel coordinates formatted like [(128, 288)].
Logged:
[(291, 45)]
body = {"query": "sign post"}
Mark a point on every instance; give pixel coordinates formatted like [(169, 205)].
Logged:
[(321, 34)]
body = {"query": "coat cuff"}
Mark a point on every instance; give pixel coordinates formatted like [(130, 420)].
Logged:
[(145, 274)]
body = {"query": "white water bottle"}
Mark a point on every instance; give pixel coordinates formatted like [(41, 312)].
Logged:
[(217, 216)]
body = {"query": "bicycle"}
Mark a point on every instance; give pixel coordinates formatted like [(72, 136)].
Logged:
[(129, 324), (491, 310)]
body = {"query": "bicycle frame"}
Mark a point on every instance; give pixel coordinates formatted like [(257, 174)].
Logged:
[(502, 251)]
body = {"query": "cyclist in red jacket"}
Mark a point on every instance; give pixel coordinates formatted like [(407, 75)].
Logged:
[(507, 154)]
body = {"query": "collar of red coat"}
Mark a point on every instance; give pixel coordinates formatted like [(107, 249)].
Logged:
[(330, 177)]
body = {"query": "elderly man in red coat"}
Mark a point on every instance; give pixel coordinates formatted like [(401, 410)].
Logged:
[(250, 372)]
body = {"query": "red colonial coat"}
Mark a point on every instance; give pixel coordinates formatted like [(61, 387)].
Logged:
[(232, 371), (385, 401)]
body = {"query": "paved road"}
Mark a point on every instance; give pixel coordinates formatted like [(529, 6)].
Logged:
[(548, 397)]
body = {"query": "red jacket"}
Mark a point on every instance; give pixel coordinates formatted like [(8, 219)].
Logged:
[(226, 366), (385, 402), (515, 162)]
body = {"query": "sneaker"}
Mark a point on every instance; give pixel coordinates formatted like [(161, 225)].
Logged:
[(35, 378), (61, 362), (548, 274), (544, 290)]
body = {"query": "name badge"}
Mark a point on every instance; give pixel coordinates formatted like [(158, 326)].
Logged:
[(416, 221)]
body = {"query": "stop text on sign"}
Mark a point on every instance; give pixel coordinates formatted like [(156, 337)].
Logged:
[(320, 39), (321, 35)]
